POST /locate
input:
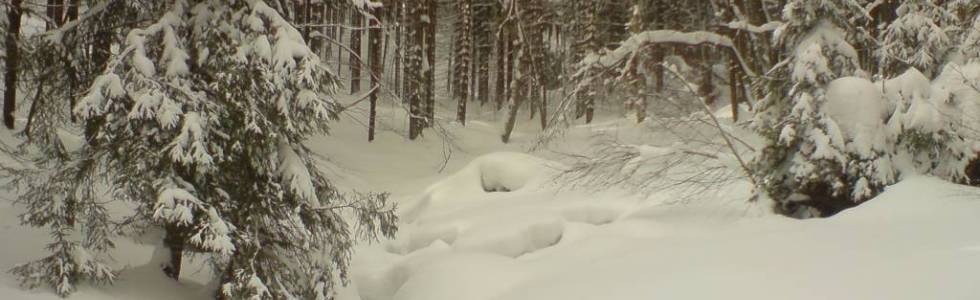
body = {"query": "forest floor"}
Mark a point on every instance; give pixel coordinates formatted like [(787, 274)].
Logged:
[(484, 220)]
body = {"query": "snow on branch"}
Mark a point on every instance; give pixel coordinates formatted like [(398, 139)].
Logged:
[(745, 26), (643, 39)]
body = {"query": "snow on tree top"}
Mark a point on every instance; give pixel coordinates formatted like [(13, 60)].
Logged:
[(859, 110)]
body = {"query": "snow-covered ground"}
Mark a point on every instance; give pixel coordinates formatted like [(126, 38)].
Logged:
[(483, 220)]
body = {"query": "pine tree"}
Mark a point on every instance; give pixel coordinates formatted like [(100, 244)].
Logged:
[(920, 37), (201, 120), (809, 166)]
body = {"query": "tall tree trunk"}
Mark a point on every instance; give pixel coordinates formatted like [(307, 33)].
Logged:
[(355, 46), (399, 51), (374, 49), (733, 87), (543, 106), (708, 75), (341, 20), (519, 82), (174, 240), (413, 67), (430, 65), (463, 46), (12, 63), (72, 70), (483, 42), (501, 76), (509, 72)]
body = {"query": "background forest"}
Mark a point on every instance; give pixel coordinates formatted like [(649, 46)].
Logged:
[(198, 114)]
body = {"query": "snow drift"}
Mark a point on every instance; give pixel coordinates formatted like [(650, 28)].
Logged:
[(539, 242)]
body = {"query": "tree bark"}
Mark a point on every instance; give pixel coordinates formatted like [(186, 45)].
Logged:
[(430, 65), (413, 67), (374, 49), (733, 88), (501, 77), (543, 107), (175, 241), (355, 46), (12, 63), (341, 19), (461, 72)]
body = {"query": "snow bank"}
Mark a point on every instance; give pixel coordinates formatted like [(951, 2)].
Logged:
[(907, 243), (491, 173)]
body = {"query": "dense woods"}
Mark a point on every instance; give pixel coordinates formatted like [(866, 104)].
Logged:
[(178, 101)]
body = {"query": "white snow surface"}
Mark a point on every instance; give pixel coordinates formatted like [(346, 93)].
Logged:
[(906, 244), (491, 222)]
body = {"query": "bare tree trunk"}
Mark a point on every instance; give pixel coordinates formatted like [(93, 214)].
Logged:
[(733, 79), (330, 16), (543, 106), (341, 19), (374, 49), (589, 110), (509, 72), (12, 63), (483, 41), (501, 70), (399, 52), (430, 57), (707, 79), (175, 241), (463, 47), (73, 80), (519, 82), (355, 46), (413, 67)]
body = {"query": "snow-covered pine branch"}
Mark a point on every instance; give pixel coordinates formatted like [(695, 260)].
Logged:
[(639, 41)]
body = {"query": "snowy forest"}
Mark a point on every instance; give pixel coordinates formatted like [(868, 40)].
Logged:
[(490, 149)]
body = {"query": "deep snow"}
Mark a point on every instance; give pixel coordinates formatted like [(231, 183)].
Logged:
[(482, 220)]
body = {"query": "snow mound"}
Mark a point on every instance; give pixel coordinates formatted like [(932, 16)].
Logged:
[(860, 110), (491, 173), (546, 244), (899, 90)]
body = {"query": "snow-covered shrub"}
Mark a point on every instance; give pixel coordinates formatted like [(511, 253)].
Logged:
[(200, 121), (954, 106), (925, 118), (821, 155)]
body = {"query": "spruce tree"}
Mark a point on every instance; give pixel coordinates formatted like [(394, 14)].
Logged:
[(809, 166), (201, 122), (920, 37)]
